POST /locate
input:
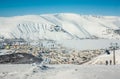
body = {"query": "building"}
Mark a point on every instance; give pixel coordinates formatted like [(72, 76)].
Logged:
[(50, 44)]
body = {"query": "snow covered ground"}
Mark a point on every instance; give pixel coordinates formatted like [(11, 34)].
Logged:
[(27, 71), (89, 44), (4, 51), (101, 60)]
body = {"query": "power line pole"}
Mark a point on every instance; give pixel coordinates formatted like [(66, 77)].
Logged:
[(114, 56), (114, 46)]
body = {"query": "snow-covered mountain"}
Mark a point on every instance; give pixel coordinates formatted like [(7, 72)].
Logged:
[(60, 26)]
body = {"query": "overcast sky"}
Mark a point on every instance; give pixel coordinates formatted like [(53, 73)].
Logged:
[(32, 7)]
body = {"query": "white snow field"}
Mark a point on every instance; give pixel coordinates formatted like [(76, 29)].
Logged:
[(89, 44), (27, 71)]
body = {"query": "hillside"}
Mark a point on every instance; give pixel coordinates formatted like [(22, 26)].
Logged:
[(60, 26)]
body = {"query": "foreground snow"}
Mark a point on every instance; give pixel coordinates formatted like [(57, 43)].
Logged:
[(59, 72)]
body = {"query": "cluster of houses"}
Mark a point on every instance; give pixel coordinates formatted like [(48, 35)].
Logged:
[(16, 42), (71, 57), (6, 43), (49, 44)]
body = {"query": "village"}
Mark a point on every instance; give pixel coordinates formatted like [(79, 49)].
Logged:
[(49, 50)]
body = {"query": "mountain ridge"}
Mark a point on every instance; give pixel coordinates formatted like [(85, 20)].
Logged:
[(60, 26)]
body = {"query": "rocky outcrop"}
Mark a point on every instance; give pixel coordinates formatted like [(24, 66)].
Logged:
[(19, 58)]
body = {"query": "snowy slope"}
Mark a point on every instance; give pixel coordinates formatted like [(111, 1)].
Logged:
[(101, 60), (59, 26)]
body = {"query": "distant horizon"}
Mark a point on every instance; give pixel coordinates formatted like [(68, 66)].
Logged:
[(59, 13), (37, 7)]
